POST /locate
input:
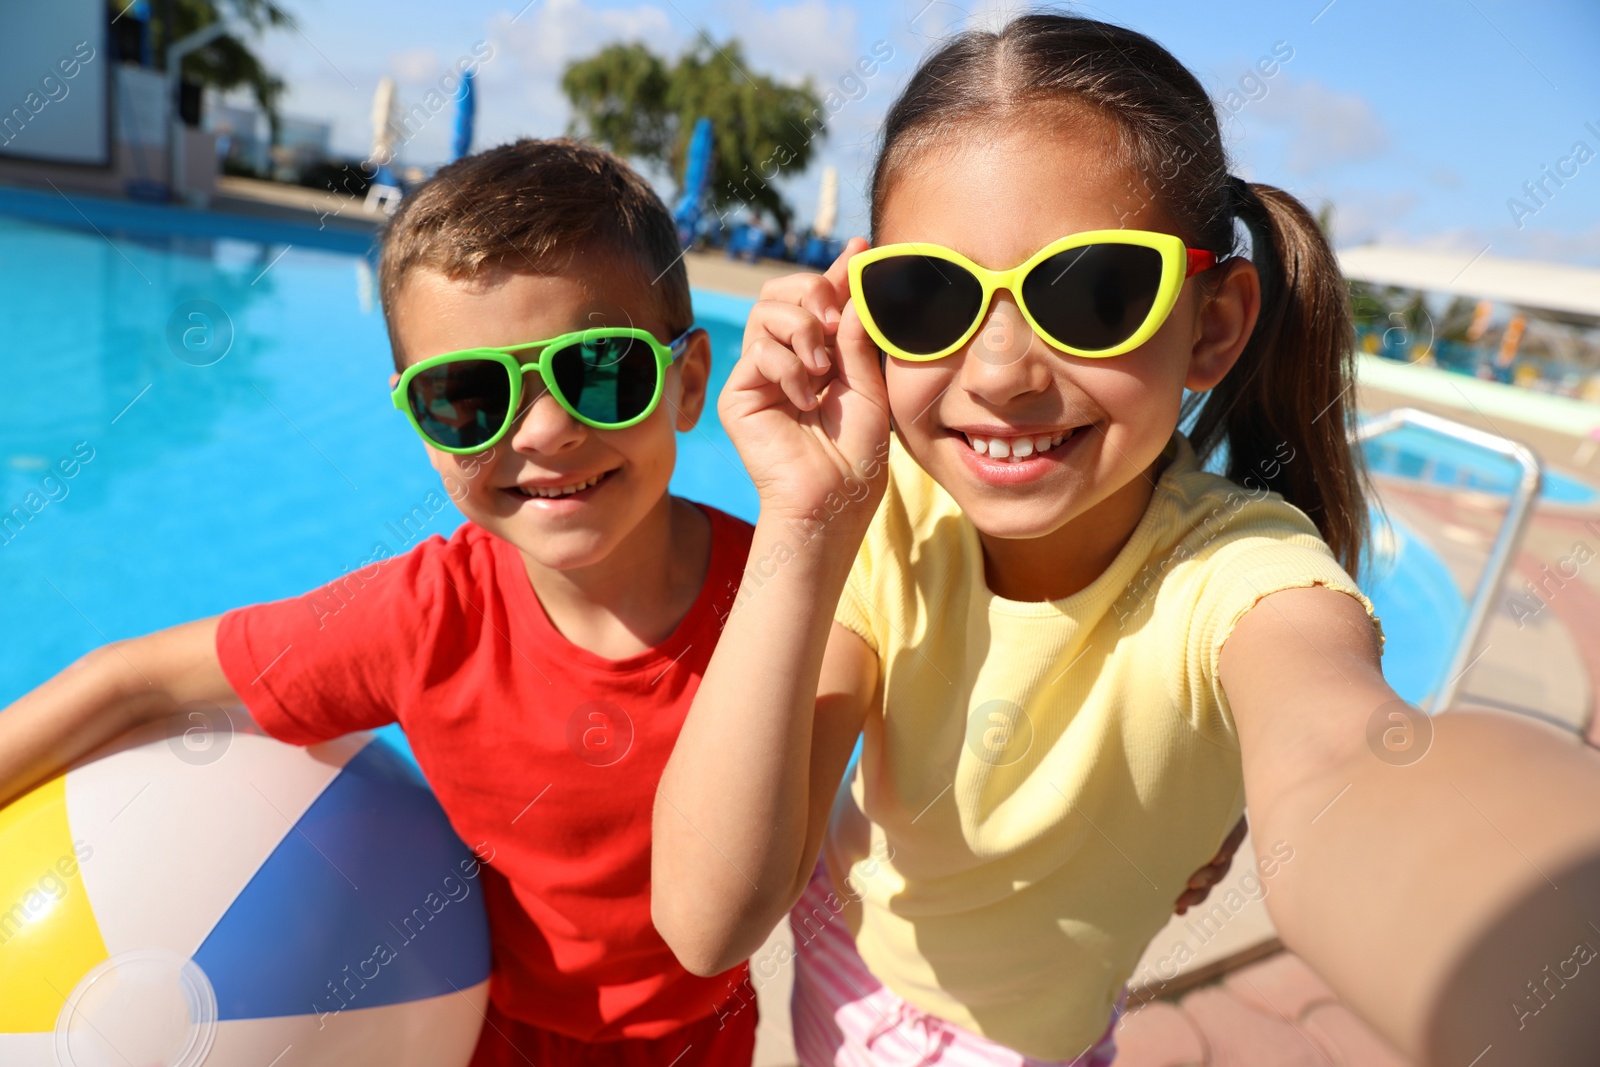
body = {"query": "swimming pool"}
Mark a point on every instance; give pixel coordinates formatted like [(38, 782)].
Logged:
[(202, 483), (1414, 452)]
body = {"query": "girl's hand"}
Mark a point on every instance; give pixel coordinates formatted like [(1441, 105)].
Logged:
[(805, 405)]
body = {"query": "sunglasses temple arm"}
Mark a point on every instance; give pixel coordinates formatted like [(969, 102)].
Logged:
[(680, 344), (1200, 260)]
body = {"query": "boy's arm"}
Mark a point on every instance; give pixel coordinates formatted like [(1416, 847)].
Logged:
[(1438, 886), (104, 694)]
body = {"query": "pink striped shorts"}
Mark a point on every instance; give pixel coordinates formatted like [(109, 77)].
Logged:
[(844, 1017)]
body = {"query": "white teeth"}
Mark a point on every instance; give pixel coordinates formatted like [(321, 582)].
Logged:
[(562, 490), (1015, 448)]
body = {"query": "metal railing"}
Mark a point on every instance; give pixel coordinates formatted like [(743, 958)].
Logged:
[(1501, 553)]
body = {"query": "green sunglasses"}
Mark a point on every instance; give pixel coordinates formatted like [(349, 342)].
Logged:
[(607, 377)]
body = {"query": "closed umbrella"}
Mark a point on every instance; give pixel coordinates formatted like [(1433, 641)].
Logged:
[(383, 131), (466, 108), (696, 175), (827, 203)]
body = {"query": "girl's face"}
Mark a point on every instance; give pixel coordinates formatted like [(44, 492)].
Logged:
[(997, 196)]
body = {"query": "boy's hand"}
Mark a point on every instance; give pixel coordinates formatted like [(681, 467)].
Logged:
[(109, 691), (805, 405), (1201, 881)]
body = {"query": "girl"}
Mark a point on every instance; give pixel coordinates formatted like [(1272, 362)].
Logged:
[(1047, 634)]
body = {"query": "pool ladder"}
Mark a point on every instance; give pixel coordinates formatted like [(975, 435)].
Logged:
[(1501, 553)]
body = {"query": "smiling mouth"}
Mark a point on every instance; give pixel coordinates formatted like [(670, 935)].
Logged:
[(554, 492), (1017, 448)]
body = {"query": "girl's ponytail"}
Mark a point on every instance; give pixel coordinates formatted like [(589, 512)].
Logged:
[(1282, 414), (1285, 411)]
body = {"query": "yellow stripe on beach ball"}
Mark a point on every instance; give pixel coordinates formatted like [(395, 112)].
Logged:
[(48, 935)]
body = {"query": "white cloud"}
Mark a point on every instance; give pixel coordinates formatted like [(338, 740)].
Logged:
[(1554, 245), (1551, 246), (556, 31), (811, 38), (1463, 241), (415, 64), (523, 81), (1324, 127), (937, 19), (1362, 216)]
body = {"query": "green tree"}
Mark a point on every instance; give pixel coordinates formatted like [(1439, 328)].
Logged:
[(620, 95), (1456, 322), (1370, 304), (637, 104), (1325, 220), (226, 63)]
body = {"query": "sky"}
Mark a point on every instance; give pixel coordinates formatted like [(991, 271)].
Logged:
[(1420, 121)]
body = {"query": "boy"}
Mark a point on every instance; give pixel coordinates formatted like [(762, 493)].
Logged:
[(542, 659)]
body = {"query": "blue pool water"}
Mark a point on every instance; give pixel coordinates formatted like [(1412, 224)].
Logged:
[(1413, 452), (281, 465), (1419, 605)]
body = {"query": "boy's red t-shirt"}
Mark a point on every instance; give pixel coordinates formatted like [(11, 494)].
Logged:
[(544, 755)]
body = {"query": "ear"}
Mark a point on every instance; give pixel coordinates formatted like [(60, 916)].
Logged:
[(694, 377), (1223, 327)]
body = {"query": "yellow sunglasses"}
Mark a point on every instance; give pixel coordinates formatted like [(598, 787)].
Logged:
[(1098, 293)]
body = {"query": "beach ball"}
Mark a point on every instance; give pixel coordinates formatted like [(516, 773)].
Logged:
[(198, 893)]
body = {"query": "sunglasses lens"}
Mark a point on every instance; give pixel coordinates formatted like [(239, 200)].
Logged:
[(920, 304), (607, 380), (461, 404), (1094, 297)]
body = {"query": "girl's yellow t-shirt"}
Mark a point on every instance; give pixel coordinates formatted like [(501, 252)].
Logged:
[(1046, 776)]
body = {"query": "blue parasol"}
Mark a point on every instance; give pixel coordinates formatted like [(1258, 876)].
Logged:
[(467, 106), (140, 10), (696, 175)]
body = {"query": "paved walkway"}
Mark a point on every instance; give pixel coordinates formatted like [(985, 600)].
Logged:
[(715, 271), (1274, 1013)]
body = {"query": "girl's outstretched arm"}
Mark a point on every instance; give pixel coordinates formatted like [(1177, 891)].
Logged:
[(1446, 874), (743, 801)]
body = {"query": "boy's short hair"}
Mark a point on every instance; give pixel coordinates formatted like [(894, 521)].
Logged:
[(532, 205)]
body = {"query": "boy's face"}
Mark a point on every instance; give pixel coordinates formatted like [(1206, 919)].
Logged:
[(547, 448)]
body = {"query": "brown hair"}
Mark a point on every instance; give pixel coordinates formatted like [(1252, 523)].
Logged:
[(531, 206), (1291, 386)]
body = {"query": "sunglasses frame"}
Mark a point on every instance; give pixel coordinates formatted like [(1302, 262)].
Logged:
[(515, 369), (1178, 263)]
